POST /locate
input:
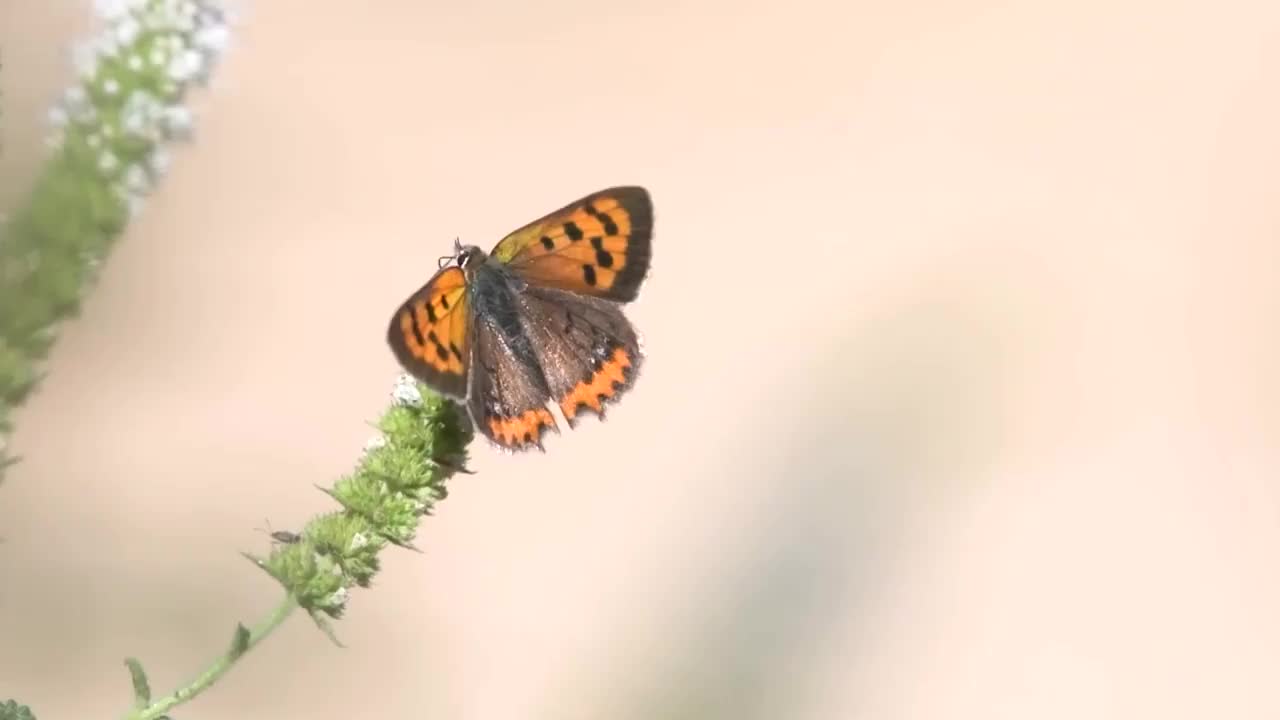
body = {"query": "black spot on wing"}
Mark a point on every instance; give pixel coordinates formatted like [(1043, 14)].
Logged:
[(610, 227), (603, 258), (417, 331)]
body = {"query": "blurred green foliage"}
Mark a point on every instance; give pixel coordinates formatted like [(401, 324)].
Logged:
[(108, 135), (13, 711)]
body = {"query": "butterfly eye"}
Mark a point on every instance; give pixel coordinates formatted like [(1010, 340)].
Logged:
[(468, 255)]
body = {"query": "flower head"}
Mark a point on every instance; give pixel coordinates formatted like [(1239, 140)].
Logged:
[(128, 103)]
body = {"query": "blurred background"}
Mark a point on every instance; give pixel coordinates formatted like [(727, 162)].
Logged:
[(961, 397)]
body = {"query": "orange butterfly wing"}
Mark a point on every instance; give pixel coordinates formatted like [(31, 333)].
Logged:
[(430, 333), (599, 245)]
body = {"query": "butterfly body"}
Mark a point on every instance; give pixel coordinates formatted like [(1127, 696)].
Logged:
[(536, 321)]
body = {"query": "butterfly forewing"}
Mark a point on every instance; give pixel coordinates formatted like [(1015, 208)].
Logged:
[(430, 333), (597, 246)]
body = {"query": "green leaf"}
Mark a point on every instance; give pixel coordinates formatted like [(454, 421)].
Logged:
[(141, 688), (239, 642)]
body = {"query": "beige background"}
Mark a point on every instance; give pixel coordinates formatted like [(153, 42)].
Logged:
[(961, 399)]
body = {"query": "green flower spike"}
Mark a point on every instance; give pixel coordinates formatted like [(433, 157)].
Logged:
[(398, 479), (110, 133)]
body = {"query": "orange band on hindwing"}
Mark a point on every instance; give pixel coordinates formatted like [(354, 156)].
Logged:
[(523, 430), (606, 383)]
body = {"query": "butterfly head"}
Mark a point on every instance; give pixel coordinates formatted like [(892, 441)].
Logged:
[(468, 255), (464, 255)]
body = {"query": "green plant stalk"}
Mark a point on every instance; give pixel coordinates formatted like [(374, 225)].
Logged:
[(157, 708), (397, 481)]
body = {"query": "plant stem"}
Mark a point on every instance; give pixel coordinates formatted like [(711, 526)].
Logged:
[(219, 668)]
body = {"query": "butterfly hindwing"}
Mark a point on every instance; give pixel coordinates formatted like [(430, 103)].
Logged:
[(588, 350), (597, 246), (508, 394), (430, 333)]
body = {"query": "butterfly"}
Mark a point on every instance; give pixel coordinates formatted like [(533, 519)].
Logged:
[(537, 320)]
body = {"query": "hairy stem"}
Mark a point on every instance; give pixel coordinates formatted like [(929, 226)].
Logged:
[(220, 667)]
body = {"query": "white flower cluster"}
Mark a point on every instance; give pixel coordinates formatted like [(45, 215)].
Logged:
[(132, 81), (375, 442), (405, 391)]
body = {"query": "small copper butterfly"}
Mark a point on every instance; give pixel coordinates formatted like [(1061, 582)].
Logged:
[(538, 319)]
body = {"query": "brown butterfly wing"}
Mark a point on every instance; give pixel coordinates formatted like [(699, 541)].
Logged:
[(508, 395), (588, 350), (597, 246), (430, 333)]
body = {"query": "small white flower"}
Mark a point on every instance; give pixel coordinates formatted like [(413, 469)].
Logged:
[(405, 391), (358, 541), (339, 598), (177, 122), (375, 442), (107, 161), (128, 30), (134, 123), (111, 86), (212, 38), (185, 65), (139, 114), (158, 56), (135, 63), (136, 180), (159, 162)]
